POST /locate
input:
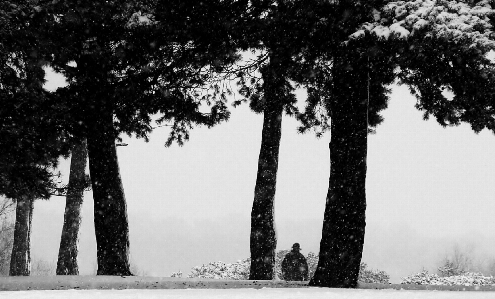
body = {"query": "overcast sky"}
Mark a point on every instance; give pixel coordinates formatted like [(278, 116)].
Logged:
[(428, 188)]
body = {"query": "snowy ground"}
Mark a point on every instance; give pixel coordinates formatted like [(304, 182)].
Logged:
[(265, 293), (165, 287)]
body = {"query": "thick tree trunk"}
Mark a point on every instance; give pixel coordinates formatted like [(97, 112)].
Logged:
[(110, 210), (67, 254), (344, 222), (263, 239), (20, 260)]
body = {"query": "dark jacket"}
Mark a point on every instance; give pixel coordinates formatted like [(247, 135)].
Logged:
[(294, 267)]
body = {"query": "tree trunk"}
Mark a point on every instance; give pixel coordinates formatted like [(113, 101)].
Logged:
[(110, 210), (263, 239), (344, 221), (67, 254), (20, 260)]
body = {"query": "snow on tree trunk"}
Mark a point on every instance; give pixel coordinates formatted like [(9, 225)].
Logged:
[(67, 254), (20, 261), (110, 209), (344, 222), (263, 235)]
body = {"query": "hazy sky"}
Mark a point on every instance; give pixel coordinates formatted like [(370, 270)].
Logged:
[(428, 188)]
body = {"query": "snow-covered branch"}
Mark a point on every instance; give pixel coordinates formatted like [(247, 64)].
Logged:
[(452, 20)]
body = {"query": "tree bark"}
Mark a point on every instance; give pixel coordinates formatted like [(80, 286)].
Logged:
[(263, 240), (344, 221), (20, 260), (69, 241), (110, 209)]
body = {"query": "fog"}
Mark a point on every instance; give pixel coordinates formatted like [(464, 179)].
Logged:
[(428, 189)]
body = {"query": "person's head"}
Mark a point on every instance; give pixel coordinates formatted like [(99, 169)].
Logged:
[(296, 247)]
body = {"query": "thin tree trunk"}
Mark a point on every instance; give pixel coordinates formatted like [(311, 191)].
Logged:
[(110, 210), (6, 236), (344, 221), (20, 260), (67, 254), (263, 240)]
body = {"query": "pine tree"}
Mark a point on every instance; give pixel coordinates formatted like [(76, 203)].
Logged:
[(352, 92), (263, 239), (280, 30), (124, 62), (30, 142), (20, 259), (69, 241), (344, 221), (425, 41)]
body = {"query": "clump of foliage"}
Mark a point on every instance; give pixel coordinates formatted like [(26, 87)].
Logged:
[(450, 269), (465, 279), (372, 276), (458, 263), (456, 269), (240, 270), (220, 270)]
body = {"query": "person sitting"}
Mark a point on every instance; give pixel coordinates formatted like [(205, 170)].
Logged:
[(294, 265)]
